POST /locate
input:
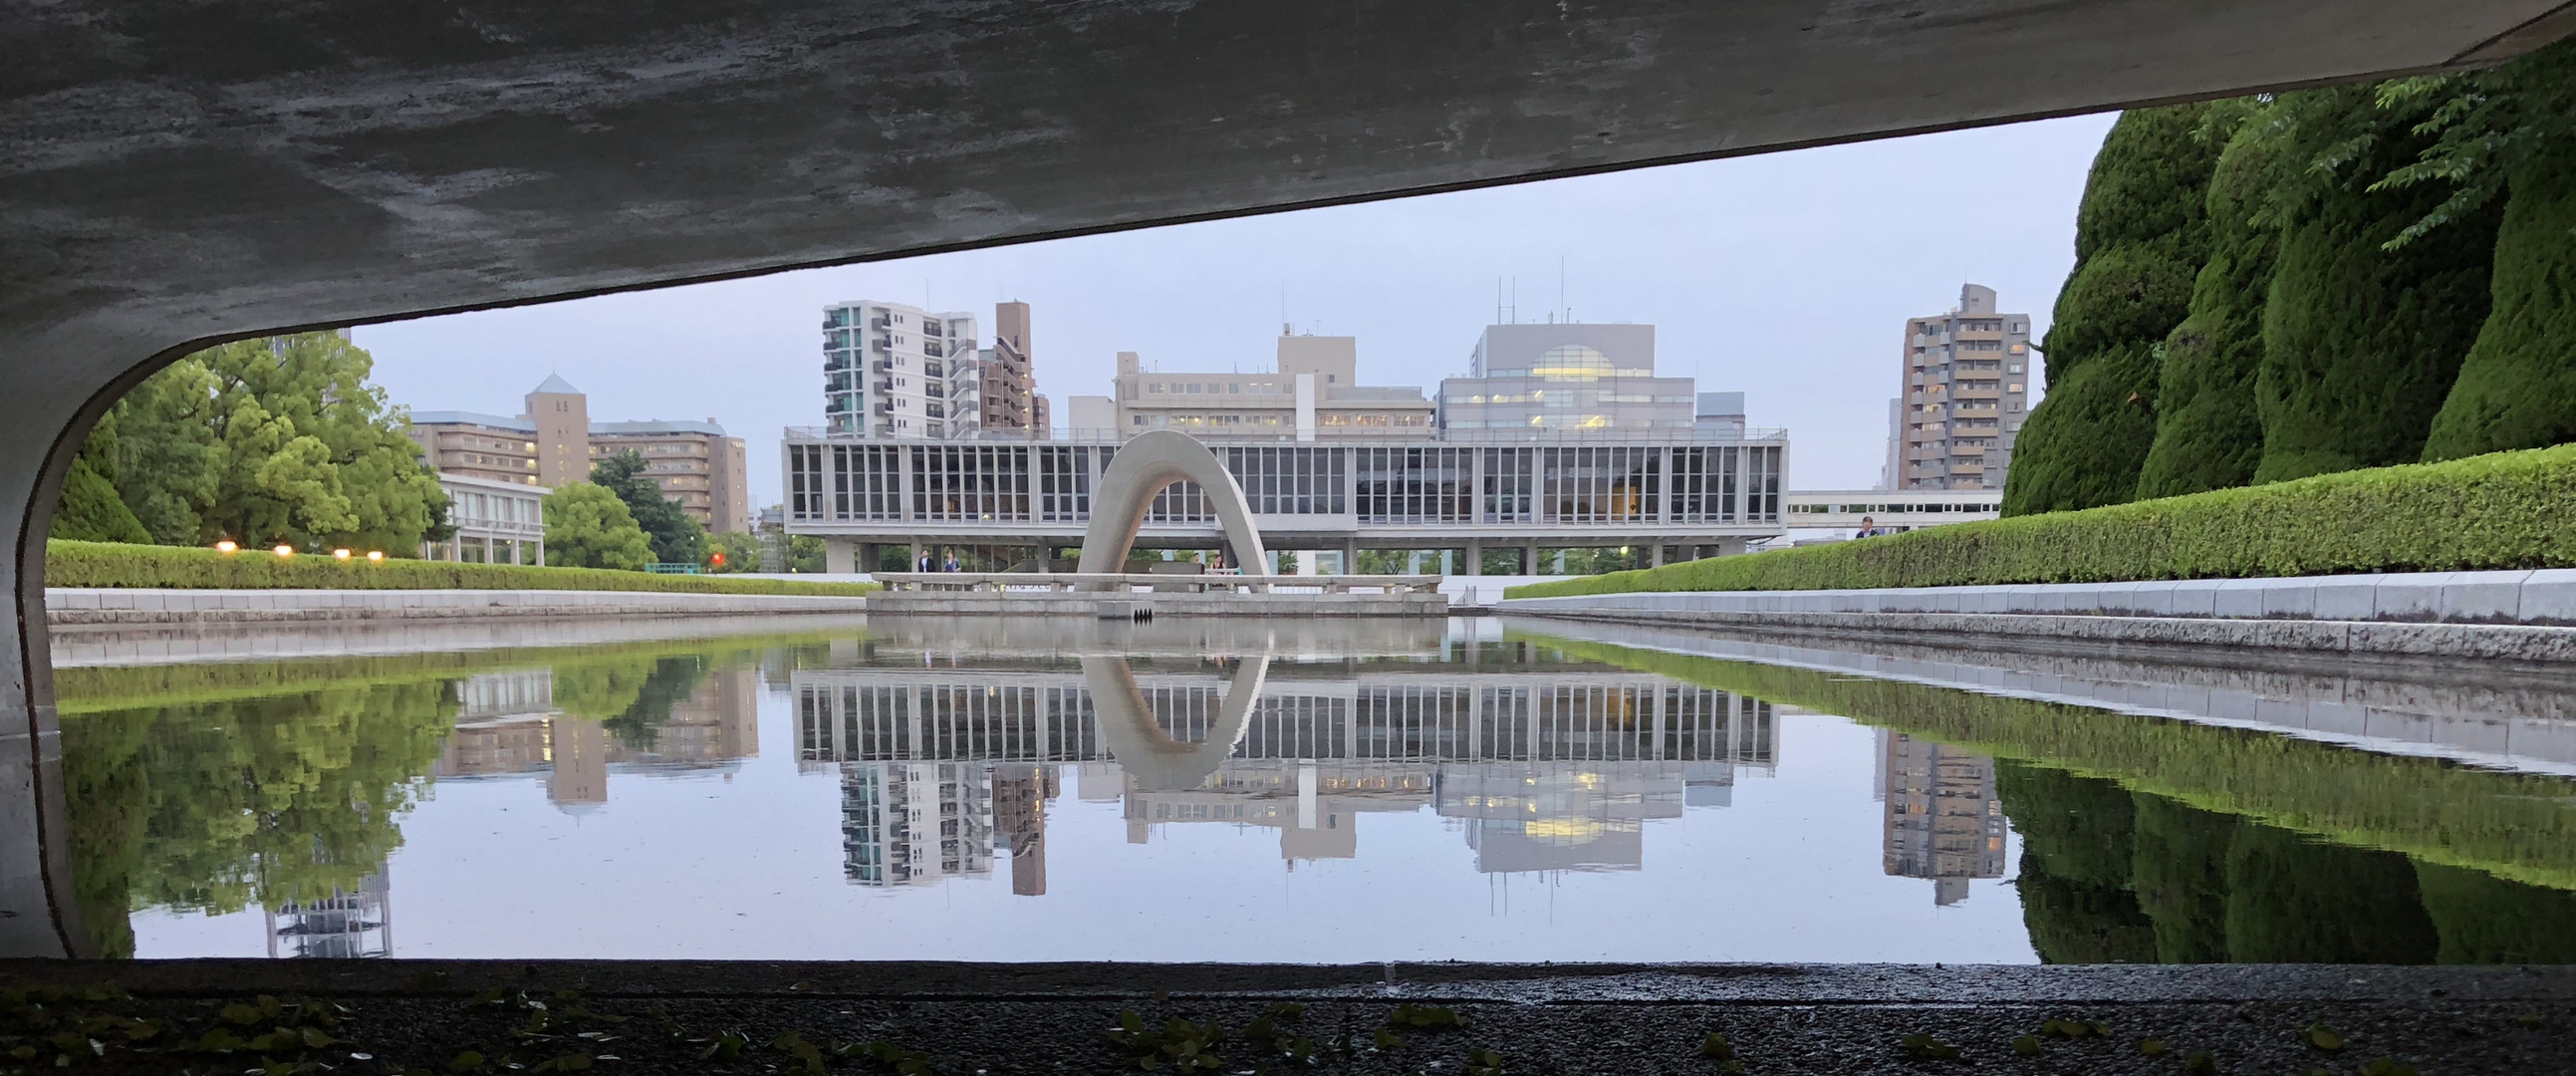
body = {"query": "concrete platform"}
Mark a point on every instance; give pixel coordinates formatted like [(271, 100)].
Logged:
[(75, 609), (1133, 595), (1043, 603), (656, 1017)]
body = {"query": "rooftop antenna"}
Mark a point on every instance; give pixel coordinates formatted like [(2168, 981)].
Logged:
[(1560, 286), (1498, 300)]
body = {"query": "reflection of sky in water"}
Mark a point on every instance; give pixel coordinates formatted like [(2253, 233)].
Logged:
[(572, 843), (1390, 793)]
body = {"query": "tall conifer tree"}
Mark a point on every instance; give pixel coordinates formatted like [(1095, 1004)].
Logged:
[(2140, 238)]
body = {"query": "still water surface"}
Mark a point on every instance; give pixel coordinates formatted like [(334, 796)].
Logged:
[(1024, 790)]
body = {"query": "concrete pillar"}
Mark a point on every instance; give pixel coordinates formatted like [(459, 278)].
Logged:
[(840, 556), (1659, 553), (1475, 557), (914, 564), (1350, 556), (867, 556), (1529, 559)]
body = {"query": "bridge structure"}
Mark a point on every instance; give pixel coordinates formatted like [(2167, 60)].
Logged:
[(172, 178)]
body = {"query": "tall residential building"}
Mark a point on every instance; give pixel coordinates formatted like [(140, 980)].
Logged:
[(1965, 395), (554, 443), (1945, 821), (916, 823), (1010, 385), (1313, 390), (1562, 376), (891, 370)]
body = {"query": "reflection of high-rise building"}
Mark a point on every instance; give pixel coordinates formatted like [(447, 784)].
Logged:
[(1539, 816), (916, 823), (341, 926), (507, 726), (578, 749), (1020, 795), (1559, 769), (1944, 820)]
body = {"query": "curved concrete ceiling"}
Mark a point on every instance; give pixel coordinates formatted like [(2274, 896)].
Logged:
[(178, 170)]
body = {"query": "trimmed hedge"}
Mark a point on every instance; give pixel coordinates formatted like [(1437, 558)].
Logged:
[(2502, 510), (108, 564)]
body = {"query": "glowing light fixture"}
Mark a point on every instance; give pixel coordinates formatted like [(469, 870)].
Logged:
[(226, 546), (340, 554), (376, 554), (284, 550)]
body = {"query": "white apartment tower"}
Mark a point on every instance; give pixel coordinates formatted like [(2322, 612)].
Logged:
[(1965, 395), (891, 370)]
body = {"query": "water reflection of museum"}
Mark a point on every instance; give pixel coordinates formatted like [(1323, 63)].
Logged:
[(1544, 767)]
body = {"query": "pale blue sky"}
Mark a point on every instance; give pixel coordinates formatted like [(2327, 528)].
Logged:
[(1787, 276)]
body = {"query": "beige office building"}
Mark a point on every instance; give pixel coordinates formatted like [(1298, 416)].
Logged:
[(1966, 393), (554, 444), (1313, 391), (1010, 384)]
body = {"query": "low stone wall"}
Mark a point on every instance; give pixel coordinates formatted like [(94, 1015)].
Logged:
[(73, 609), (2514, 616)]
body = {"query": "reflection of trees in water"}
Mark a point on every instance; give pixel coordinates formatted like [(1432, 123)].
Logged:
[(633, 698), (220, 806), (2111, 875)]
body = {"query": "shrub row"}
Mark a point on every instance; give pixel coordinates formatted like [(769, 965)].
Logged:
[(2498, 511), (109, 564)]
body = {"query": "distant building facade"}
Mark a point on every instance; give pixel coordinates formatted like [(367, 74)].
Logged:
[(1964, 396), (1563, 377), (554, 444), (1313, 391), (1009, 393), (496, 522), (1945, 822), (897, 371)]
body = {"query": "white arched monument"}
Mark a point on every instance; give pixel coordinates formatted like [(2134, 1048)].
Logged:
[(1143, 468)]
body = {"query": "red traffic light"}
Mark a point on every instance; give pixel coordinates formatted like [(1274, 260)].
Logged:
[(719, 558)]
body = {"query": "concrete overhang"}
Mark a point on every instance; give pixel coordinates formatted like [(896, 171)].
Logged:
[(174, 171)]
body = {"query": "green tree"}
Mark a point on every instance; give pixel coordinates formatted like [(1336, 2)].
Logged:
[(2511, 129), (805, 555), (168, 459), (2361, 342), (2209, 433), (677, 539), (741, 550), (90, 509), (588, 527), (2141, 237), (272, 440)]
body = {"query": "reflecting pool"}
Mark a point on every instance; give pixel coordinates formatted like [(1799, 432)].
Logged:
[(1304, 791)]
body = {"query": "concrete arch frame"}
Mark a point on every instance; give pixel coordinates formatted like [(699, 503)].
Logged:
[(1143, 468), (1151, 756)]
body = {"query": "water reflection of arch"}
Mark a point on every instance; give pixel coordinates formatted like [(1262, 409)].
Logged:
[(1153, 758), (1142, 468)]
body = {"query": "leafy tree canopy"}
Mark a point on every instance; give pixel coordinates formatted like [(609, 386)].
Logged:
[(677, 539), (281, 439), (589, 527)]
